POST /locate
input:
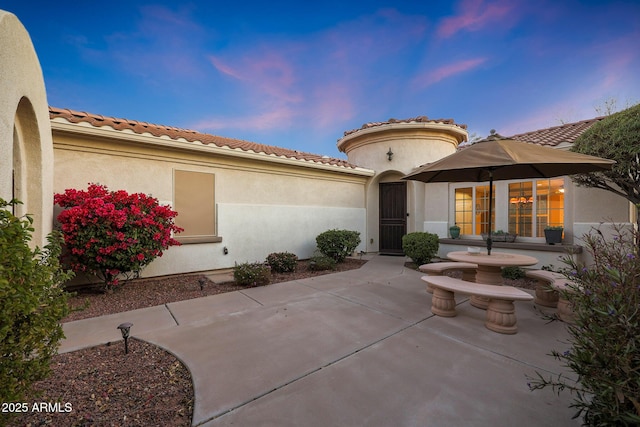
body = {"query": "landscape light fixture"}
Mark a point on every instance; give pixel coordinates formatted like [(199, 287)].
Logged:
[(389, 154), (125, 328)]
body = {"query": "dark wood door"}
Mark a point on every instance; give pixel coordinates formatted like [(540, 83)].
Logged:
[(393, 216)]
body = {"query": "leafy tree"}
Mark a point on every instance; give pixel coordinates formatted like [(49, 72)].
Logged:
[(109, 233), (32, 303), (616, 137)]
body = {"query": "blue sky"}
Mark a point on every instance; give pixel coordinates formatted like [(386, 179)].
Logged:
[(299, 74)]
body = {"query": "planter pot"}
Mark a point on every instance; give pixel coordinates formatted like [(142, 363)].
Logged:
[(454, 232), (553, 236)]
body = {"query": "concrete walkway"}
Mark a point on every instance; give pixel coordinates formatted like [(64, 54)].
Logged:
[(358, 348)]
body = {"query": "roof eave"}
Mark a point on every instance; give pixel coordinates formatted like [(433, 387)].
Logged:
[(107, 132)]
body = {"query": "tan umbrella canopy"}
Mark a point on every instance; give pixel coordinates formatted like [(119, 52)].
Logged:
[(506, 159)]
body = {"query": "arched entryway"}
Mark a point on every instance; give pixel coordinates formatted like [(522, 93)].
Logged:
[(26, 147)]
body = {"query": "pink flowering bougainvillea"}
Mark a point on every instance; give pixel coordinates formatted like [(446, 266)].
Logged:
[(113, 233)]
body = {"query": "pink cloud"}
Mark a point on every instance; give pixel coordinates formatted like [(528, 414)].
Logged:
[(266, 71), (318, 80), (474, 15), (267, 120), (447, 71), (330, 104)]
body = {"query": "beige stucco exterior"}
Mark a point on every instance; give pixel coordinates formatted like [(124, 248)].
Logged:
[(26, 152), (413, 143), (263, 204)]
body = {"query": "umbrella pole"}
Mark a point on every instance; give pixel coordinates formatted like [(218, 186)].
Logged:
[(489, 240)]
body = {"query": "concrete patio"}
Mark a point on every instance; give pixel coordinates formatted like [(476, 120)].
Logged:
[(358, 348)]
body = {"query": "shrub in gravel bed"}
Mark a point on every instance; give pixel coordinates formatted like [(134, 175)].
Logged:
[(252, 274), (322, 263), (113, 233), (282, 262), (338, 244), (420, 246), (32, 303), (513, 273)]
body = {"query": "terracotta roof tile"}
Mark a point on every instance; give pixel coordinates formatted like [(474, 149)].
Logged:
[(419, 119), (192, 136), (553, 136)]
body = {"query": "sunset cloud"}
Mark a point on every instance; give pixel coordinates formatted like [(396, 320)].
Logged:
[(475, 15), (446, 71)]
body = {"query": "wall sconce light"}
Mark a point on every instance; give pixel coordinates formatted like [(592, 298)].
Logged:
[(125, 328), (389, 154), (225, 251)]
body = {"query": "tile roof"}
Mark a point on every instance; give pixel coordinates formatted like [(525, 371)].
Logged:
[(192, 136), (553, 136), (419, 119)]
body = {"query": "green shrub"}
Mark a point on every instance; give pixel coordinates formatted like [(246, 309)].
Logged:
[(282, 262), (338, 244), (320, 262), (513, 273), (604, 341), (420, 246), (32, 303), (252, 274)]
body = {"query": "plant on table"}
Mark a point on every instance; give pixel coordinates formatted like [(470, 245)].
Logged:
[(604, 342), (282, 262), (338, 244), (113, 233), (420, 246), (32, 303)]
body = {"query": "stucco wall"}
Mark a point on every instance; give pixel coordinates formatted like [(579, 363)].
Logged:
[(25, 132), (261, 206), (412, 144)]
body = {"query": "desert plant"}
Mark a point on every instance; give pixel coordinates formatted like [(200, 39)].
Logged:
[(338, 244), (513, 273), (321, 262), (282, 262), (420, 246), (109, 233), (252, 274), (604, 344), (32, 303)]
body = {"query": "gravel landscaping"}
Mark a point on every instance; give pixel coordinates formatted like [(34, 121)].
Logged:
[(103, 386)]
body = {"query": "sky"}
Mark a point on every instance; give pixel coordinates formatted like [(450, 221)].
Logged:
[(299, 74)]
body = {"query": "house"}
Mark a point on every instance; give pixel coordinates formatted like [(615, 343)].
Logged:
[(239, 201)]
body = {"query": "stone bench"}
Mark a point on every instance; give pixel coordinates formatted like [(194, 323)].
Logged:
[(546, 296), (548, 292), (440, 268), (501, 313)]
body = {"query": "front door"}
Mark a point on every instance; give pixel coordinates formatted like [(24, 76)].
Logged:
[(393, 216)]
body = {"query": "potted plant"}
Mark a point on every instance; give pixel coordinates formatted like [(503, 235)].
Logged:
[(454, 231), (553, 234)]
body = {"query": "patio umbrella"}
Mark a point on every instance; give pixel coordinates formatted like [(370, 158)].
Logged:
[(506, 159)]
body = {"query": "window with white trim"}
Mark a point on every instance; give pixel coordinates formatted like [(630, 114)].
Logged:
[(532, 206), (472, 209)]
